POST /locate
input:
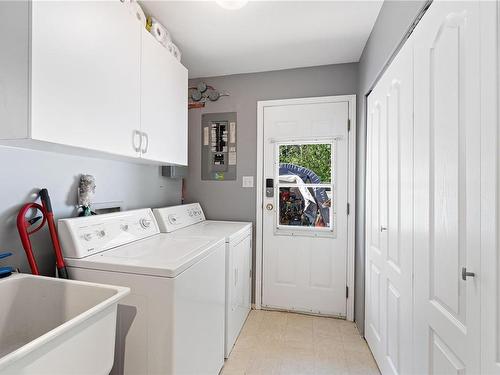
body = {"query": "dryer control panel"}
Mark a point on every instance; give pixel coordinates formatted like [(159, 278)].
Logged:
[(88, 235), (173, 218)]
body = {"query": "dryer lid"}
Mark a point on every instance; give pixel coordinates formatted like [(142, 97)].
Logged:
[(229, 230)]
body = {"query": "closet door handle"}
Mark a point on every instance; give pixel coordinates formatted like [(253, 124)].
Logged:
[(146, 142), (136, 134), (466, 274), (383, 229)]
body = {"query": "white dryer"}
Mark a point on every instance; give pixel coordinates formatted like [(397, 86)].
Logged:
[(188, 221), (173, 320)]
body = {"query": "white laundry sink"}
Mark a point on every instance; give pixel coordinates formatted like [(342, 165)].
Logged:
[(55, 326)]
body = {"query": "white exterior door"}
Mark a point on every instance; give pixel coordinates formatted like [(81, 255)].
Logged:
[(389, 247), (305, 210), (447, 190)]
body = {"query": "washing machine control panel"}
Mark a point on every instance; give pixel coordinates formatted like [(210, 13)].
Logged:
[(177, 217), (84, 236)]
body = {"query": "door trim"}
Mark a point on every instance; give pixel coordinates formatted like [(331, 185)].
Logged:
[(351, 190)]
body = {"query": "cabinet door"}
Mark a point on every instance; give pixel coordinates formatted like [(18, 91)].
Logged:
[(164, 83), (85, 75)]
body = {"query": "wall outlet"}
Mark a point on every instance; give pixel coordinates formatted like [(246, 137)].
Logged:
[(247, 182)]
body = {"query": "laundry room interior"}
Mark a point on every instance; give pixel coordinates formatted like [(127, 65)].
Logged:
[(249, 187)]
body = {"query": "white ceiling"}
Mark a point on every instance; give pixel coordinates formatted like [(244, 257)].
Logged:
[(265, 35)]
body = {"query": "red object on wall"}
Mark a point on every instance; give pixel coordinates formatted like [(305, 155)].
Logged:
[(193, 105)]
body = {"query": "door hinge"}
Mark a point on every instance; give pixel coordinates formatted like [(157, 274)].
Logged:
[(346, 292), (348, 208), (250, 273), (349, 125)]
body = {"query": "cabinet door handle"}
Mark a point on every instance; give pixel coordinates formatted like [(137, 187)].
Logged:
[(146, 142), (135, 134)]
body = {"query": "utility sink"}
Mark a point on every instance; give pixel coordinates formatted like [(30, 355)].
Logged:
[(54, 326)]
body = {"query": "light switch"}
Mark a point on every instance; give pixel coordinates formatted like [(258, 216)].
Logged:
[(247, 182)]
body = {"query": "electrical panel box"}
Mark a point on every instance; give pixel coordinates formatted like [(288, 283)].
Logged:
[(218, 146)]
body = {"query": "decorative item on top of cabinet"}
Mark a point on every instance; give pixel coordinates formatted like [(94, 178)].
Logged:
[(135, 8), (163, 37), (218, 148), (202, 93)]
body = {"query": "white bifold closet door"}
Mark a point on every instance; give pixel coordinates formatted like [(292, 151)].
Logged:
[(389, 217), (447, 189), (432, 259)]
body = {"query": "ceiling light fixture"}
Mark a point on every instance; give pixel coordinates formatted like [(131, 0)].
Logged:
[(232, 4)]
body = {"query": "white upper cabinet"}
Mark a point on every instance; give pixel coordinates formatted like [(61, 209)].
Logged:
[(164, 84), (83, 71), (85, 75)]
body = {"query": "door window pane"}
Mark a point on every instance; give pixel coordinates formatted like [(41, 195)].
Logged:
[(305, 206), (309, 163)]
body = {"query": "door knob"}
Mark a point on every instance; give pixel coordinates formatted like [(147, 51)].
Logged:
[(466, 274), (269, 207)]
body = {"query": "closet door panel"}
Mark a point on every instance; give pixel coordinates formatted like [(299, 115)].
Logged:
[(447, 189), (490, 154), (374, 252), (389, 203)]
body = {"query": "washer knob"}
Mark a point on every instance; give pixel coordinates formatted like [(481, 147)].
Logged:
[(87, 236), (145, 223)]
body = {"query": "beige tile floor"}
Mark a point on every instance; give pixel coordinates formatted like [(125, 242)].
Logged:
[(293, 344)]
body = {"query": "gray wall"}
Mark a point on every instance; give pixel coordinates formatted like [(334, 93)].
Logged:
[(228, 200), (24, 172), (392, 23)]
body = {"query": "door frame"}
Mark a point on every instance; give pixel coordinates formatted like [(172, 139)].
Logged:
[(351, 190)]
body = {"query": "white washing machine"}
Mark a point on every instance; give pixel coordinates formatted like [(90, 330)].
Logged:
[(188, 221), (173, 320)]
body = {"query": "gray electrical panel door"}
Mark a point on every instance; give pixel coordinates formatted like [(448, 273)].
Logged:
[(218, 146)]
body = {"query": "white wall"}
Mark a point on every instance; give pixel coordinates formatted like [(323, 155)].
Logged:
[(24, 172)]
